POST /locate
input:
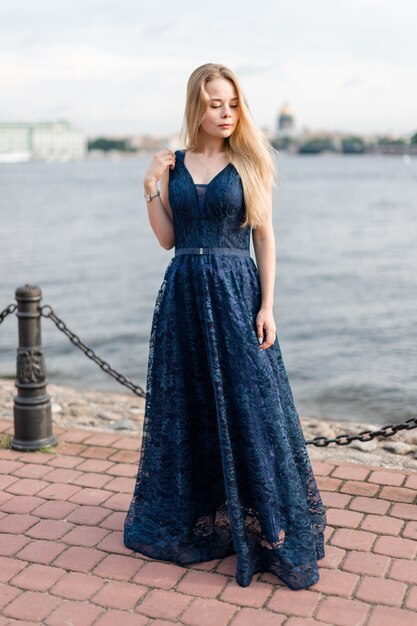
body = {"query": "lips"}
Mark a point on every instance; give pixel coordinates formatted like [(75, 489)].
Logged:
[(225, 125)]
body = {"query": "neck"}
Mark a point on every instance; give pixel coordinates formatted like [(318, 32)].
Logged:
[(210, 146)]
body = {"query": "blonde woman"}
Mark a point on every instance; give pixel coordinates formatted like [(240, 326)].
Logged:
[(224, 467)]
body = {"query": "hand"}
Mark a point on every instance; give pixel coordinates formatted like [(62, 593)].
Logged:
[(265, 327), (160, 161)]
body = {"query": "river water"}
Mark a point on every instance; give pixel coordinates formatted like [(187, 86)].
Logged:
[(346, 277)]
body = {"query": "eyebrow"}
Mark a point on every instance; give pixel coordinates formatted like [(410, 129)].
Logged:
[(220, 100)]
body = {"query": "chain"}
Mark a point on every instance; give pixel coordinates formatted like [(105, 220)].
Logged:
[(365, 435), (321, 442), (7, 311), (47, 311)]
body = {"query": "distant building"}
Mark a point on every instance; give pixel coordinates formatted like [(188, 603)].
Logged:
[(14, 142), (285, 121), (43, 141)]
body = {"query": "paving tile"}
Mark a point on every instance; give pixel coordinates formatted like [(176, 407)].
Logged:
[(31, 470), (101, 439), (31, 605), (88, 515), (301, 603), (357, 488), (405, 570), (114, 521), (382, 524), (77, 586), (10, 567), (64, 461), (202, 584), (127, 443), (121, 484), (118, 502), (343, 612), (404, 511), (335, 582), (333, 557), (321, 468), (366, 563), (410, 530), (10, 544), (335, 499), (369, 505), (27, 486), (236, 594), (73, 612), (396, 494), (7, 594), (123, 469), (41, 551), (228, 565), (62, 475), (118, 567), (120, 595), (381, 591), (157, 574), (387, 616), (343, 517), (353, 539), (37, 577), (385, 477), (17, 523), (113, 618), (97, 452), (21, 504), (208, 612), (164, 604), (53, 509), (95, 466), (256, 617), (351, 472), (8, 467), (326, 483), (89, 496), (58, 491), (411, 599), (92, 479), (49, 529), (88, 536), (396, 546), (79, 559), (125, 456), (411, 482), (113, 542)]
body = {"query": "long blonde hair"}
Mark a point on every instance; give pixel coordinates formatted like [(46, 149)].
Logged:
[(248, 149)]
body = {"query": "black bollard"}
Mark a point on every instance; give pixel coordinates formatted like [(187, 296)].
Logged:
[(32, 406)]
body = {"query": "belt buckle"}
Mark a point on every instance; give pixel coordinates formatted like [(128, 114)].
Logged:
[(200, 251)]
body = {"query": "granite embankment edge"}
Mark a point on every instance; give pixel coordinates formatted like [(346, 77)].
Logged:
[(110, 411)]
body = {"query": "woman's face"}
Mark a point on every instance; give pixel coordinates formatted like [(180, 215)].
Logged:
[(222, 109)]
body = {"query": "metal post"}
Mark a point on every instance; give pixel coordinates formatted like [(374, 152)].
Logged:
[(32, 406)]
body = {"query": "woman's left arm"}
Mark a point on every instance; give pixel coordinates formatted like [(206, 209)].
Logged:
[(264, 246)]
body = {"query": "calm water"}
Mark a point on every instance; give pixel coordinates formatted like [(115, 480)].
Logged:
[(345, 291)]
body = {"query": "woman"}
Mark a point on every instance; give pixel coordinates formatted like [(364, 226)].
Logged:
[(224, 467)]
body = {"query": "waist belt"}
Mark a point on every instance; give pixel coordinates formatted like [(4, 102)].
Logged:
[(236, 251)]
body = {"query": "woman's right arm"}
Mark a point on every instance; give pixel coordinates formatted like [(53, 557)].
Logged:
[(159, 210)]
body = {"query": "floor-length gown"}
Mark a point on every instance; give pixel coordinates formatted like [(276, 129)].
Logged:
[(224, 467)]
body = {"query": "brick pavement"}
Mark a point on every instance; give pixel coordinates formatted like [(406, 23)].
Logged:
[(62, 558)]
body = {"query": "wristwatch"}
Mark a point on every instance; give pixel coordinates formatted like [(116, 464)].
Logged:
[(150, 196)]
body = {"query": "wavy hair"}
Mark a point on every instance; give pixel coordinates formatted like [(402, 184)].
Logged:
[(247, 148)]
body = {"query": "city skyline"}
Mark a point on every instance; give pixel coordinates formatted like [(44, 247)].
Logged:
[(122, 68)]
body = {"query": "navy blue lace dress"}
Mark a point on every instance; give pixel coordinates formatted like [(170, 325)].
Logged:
[(223, 467)]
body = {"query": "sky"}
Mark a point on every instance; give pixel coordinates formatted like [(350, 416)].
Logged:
[(122, 66)]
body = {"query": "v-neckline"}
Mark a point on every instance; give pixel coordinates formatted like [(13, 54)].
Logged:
[(192, 179)]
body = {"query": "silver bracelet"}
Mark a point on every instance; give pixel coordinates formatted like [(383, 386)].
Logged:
[(150, 196)]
